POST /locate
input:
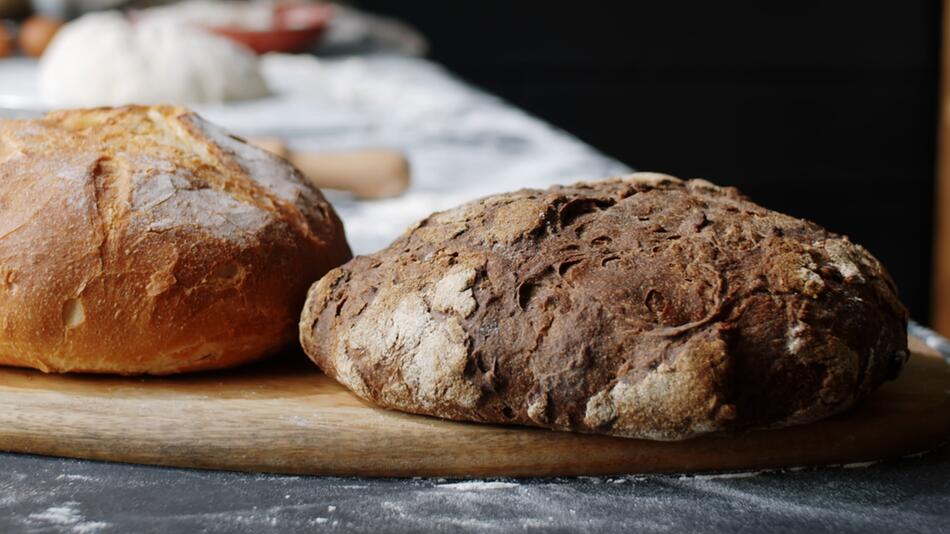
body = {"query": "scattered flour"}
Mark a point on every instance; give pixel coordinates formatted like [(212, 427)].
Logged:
[(860, 465), (77, 478), (713, 476), (59, 515), (478, 485), (69, 517)]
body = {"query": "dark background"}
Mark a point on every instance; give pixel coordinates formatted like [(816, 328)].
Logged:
[(825, 110)]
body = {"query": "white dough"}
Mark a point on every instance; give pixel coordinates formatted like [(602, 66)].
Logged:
[(103, 59)]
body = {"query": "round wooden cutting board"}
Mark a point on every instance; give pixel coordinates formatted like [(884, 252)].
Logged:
[(285, 416)]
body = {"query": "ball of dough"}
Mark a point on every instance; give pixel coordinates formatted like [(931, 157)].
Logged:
[(145, 240), (104, 59)]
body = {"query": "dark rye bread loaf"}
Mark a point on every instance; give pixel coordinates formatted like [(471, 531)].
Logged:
[(643, 306)]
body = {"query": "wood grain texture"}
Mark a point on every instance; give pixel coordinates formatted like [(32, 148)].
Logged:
[(285, 416)]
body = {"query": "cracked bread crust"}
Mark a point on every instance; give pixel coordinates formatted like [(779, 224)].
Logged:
[(145, 240), (643, 306)]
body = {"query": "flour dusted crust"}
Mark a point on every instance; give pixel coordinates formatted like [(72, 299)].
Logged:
[(642, 306), (145, 240)]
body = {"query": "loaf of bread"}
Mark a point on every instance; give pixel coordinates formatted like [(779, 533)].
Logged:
[(643, 306), (145, 240)]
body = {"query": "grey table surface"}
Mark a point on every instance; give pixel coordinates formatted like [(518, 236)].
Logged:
[(462, 144), (56, 495)]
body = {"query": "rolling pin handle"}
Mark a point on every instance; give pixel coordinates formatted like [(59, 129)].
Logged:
[(367, 173)]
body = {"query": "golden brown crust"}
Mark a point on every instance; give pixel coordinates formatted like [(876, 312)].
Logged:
[(144, 240), (642, 306)]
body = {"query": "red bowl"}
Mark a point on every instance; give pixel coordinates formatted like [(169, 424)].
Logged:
[(296, 28)]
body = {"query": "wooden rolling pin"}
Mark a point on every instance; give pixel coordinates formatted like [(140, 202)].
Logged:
[(367, 173)]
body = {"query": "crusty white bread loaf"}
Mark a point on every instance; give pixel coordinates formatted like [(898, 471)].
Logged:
[(143, 240)]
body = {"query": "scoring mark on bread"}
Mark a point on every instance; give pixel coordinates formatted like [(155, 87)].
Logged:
[(169, 201)]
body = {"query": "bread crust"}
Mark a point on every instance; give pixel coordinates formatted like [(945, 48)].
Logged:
[(145, 240), (642, 306)]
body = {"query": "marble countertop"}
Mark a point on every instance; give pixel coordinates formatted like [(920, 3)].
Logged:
[(462, 144)]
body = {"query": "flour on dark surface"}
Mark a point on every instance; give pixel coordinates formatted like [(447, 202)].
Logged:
[(40, 494)]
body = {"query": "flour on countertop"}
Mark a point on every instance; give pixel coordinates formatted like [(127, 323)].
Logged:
[(478, 485), (68, 517), (860, 465), (77, 478), (714, 476)]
